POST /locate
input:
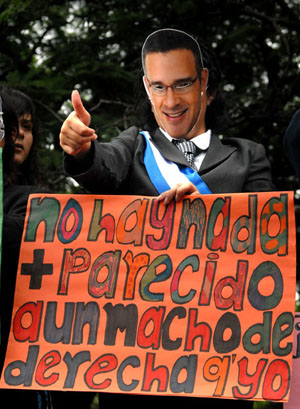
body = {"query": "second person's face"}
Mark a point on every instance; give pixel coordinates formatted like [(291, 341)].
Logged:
[(23, 142)]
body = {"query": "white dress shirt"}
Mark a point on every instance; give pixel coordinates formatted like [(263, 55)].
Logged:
[(202, 141)]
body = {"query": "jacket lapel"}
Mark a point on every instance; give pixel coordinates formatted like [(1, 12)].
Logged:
[(168, 149), (216, 154)]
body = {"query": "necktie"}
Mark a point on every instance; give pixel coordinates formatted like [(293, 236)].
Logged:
[(189, 149)]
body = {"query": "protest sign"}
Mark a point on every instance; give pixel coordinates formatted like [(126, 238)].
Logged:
[(125, 294)]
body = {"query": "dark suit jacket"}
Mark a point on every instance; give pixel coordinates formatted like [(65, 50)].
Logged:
[(230, 166)]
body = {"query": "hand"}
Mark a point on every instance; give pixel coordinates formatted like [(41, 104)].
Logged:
[(75, 135), (177, 192)]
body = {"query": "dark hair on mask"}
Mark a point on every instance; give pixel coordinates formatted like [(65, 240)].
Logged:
[(168, 39)]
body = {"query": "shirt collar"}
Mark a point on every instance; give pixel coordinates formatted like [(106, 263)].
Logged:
[(202, 141)]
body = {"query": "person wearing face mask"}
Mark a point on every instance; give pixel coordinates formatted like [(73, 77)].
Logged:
[(148, 160), (158, 158)]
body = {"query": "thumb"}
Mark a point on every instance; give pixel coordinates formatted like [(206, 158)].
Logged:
[(80, 110)]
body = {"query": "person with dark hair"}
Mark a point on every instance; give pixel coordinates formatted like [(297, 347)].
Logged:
[(21, 149), (173, 151), (15, 198), (26, 142)]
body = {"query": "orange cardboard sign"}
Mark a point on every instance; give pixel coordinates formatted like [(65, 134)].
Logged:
[(125, 294)]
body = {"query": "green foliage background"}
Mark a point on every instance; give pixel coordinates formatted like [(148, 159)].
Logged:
[(49, 48)]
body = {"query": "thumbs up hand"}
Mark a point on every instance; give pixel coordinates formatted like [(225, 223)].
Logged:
[(76, 135)]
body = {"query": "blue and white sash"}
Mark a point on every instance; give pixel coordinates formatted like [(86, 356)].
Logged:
[(165, 174)]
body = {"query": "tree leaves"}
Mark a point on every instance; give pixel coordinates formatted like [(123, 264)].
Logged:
[(49, 48)]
